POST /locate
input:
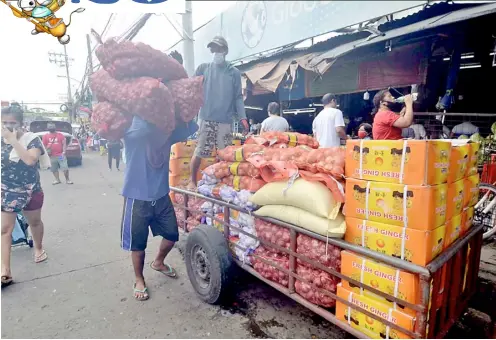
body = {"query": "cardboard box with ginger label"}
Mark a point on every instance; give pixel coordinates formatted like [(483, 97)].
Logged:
[(412, 162), (389, 280), (371, 327), (423, 207), (416, 246)]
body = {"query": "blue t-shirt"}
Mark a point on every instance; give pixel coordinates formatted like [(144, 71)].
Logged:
[(145, 143)]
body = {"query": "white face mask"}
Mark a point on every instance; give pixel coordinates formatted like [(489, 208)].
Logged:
[(219, 58)]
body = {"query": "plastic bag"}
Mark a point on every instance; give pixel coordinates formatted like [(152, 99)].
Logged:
[(145, 97), (109, 122)]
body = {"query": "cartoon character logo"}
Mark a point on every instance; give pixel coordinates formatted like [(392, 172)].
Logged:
[(41, 14), (356, 154)]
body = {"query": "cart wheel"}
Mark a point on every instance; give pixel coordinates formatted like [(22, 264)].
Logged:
[(208, 262), (30, 243)]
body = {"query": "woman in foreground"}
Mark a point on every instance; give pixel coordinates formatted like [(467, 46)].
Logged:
[(21, 188)]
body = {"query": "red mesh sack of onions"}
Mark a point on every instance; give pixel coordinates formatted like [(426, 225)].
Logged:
[(273, 233), (298, 156), (236, 153), (316, 250), (109, 122), (225, 169), (188, 96), (130, 60), (145, 97), (329, 161), (290, 138), (267, 270), (316, 278)]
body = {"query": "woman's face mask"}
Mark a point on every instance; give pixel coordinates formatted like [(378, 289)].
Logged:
[(362, 134), (393, 106), (219, 58)]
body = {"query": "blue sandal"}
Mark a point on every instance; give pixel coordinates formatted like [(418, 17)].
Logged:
[(170, 273), (145, 296)]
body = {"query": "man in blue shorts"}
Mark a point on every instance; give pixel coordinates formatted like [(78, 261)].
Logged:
[(147, 204)]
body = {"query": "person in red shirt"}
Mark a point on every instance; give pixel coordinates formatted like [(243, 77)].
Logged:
[(56, 145), (388, 122)]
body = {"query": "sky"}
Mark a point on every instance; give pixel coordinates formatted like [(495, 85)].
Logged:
[(26, 73)]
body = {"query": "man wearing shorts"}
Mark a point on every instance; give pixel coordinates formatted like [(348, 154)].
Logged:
[(56, 146), (223, 99), (147, 204)]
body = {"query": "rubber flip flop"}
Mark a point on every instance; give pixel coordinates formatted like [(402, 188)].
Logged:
[(145, 296), (170, 273), (40, 258), (6, 280)]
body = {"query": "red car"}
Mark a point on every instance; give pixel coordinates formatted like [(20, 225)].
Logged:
[(73, 153)]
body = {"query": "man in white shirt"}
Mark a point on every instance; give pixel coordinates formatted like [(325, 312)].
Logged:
[(274, 122), (465, 128), (328, 126)]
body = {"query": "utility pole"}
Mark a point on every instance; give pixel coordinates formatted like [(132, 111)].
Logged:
[(188, 44), (63, 60)]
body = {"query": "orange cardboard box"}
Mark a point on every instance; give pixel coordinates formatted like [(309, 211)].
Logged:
[(418, 162), (179, 166), (389, 280), (183, 149), (471, 192), (371, 327), (416, 246), (423, 206), (453, 230), (182, 180), (472, 159), (467, 219), (459, 160), (455, 198)]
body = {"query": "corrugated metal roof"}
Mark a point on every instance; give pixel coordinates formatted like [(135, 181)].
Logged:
[(449, 18), (348, 38)]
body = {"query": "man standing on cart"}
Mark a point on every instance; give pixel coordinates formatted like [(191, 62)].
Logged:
[(223, 99), (147, 204)]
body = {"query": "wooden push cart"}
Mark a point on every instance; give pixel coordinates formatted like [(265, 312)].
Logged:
[(209, 260)]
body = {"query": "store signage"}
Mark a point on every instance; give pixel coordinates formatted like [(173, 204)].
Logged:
[(252, 27)]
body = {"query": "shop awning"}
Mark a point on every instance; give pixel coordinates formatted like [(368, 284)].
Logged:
[(322, 61)]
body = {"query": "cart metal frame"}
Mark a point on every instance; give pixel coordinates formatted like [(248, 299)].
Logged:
[(456, 267)]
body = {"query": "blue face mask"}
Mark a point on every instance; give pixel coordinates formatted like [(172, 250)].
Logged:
[(219, 58)]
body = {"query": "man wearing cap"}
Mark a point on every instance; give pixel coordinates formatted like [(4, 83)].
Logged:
[(223, 100)]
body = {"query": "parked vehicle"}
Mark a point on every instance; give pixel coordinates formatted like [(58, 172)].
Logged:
[(73, 153)]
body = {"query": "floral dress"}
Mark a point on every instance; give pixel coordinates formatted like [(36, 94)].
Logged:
[(19, 180)]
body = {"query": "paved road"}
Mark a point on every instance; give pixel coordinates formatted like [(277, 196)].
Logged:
[(84, 290)]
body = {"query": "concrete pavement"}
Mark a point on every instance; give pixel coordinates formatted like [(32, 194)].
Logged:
[(84, 290)]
